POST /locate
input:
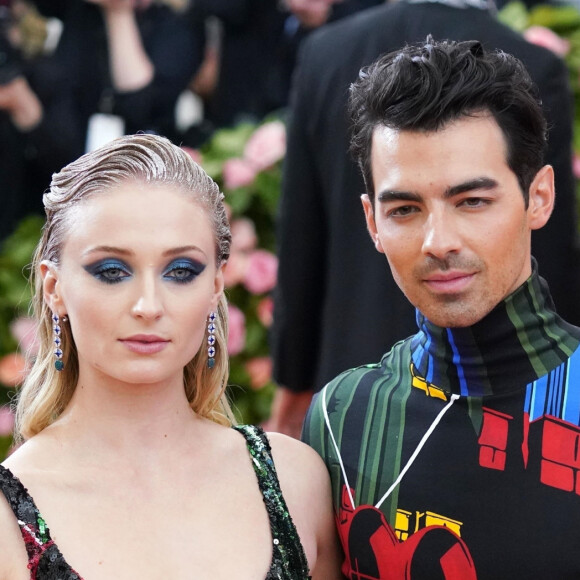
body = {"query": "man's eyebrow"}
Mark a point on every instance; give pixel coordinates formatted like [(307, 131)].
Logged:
[(471, 185), (396, 195)]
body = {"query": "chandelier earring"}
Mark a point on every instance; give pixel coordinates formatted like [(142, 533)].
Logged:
[(211, 328), (56, 328)]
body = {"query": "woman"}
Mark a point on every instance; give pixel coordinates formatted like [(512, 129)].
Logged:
[(127, 451)]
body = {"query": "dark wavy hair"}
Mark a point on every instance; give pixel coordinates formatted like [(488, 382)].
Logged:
[(425, 86)]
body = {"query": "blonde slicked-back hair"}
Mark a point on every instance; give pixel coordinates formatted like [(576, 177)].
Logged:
[(147, 159)]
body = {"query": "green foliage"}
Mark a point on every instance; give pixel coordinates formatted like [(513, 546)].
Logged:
[(15, 256), (515, 15), (5, 444), (563, 19)]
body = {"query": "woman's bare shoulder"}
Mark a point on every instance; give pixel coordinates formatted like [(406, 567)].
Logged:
[(32, 455), (302, 474), (295, 459)]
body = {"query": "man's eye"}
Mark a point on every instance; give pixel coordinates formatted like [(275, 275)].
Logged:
[(474, 202), (402, 211)]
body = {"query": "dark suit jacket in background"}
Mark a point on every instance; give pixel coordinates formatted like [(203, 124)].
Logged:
[(336, 304)]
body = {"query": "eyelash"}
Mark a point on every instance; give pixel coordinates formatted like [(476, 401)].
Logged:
[(479, 201), (470, 202), (396, 212), (194, 269), (102, 270)]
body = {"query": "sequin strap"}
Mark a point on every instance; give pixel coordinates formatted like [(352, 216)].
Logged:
[(288, 561), (44, 558)]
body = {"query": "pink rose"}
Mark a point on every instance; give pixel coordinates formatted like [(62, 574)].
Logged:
[(238, 173), (547, 38), (12, 369), (260, 371), (261, 273), (194, 154), (266, 146), (576, 165), (265, 311), (237, 330), (244, 236), (25, 332), (6, 421), (235, 269)]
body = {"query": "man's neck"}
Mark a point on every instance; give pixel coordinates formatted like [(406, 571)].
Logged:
[(520, 340)]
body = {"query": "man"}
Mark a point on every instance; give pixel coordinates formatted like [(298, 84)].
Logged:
[(335, 305), (456, 456)]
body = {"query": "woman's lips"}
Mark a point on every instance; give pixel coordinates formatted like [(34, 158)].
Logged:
[(145, 344)]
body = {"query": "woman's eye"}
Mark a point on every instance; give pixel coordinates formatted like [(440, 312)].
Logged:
[(109, 272), (183, 271)]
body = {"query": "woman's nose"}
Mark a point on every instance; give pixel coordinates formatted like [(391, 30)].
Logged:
[(148, 302)]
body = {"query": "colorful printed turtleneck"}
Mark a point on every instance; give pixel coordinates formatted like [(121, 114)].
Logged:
[(458, 455), (522, 336)]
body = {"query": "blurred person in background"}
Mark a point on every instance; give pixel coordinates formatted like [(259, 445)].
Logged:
[(32, 145), (252, 46), (118, 68), (336, 306), (126, 63)]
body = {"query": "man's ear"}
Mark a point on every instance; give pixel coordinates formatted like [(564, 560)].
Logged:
[(371, 224), (50, 287), (541, 198)]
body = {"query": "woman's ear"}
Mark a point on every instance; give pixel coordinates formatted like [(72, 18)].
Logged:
[(218, 288), (541, 198), (50, 287)]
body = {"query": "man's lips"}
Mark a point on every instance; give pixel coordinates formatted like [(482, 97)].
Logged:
[(449, 282), (145, 343)]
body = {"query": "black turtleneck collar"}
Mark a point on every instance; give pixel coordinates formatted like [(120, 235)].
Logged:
[(520, 340)]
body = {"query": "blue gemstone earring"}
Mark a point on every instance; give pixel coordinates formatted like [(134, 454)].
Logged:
[(58, 363), (211, 328)]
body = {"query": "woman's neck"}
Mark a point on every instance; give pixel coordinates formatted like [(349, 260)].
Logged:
[(133, 421)]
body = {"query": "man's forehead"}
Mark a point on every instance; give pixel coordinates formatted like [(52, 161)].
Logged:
[(387, 139), (433, 127)]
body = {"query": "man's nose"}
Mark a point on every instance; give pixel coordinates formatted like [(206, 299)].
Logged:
[(441, 236)]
